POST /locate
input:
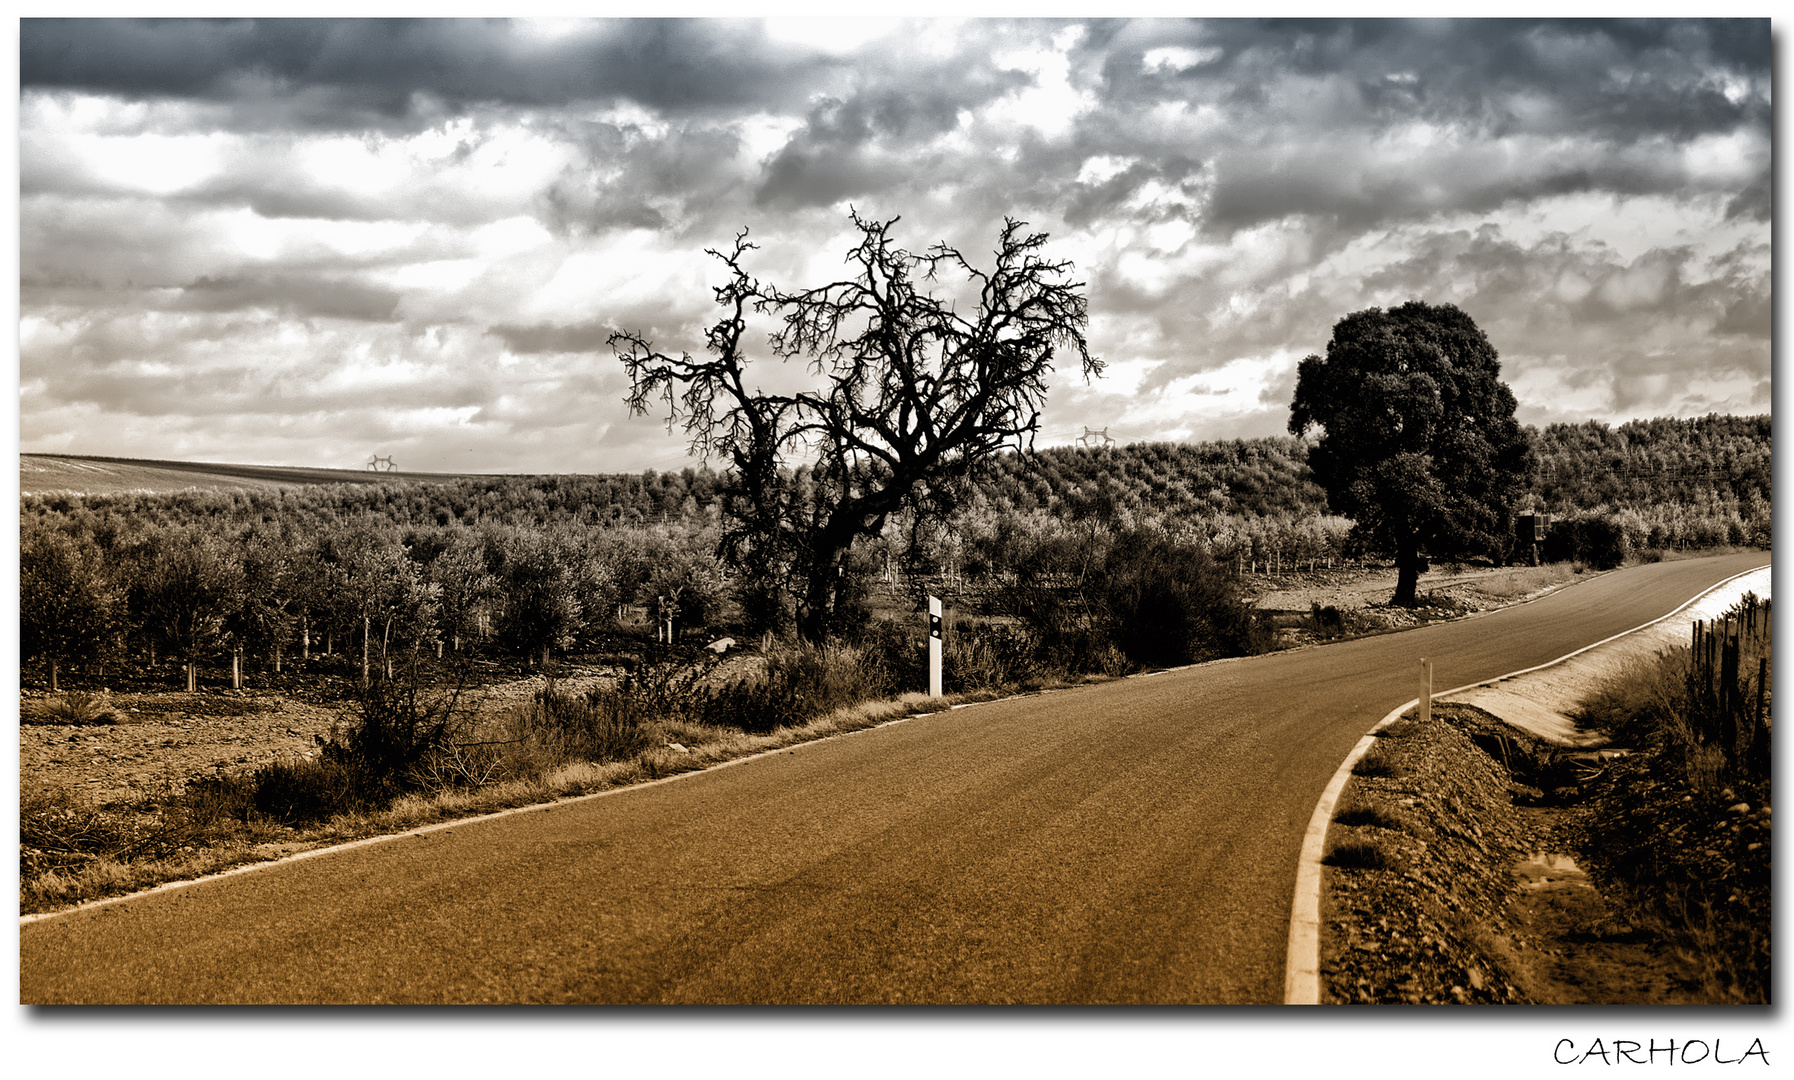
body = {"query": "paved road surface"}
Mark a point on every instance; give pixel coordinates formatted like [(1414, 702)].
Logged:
[(1131, 842)]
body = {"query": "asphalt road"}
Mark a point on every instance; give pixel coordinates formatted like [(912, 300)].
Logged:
[(1132, 842)]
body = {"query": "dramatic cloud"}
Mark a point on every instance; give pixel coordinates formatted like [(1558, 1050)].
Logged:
[(306, 241)]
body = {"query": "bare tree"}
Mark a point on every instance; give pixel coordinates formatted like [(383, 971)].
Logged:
[(912, 394)]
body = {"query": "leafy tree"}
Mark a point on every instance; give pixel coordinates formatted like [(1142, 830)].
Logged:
[(465, 586), (374, 592), (914, 393), (195, 583), (263, 616), (68, 608), (1418, 439), (539, 584)]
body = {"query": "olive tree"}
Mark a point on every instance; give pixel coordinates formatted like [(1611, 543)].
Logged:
[(1418, 441), (195, 582), (913, 389), (69, 609)]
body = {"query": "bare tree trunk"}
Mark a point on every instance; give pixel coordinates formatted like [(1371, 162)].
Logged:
[(53, 686)]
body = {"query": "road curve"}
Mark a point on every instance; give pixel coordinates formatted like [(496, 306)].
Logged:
[(1131, 842)]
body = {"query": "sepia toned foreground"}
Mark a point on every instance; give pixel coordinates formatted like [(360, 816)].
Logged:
[(1129, 842)]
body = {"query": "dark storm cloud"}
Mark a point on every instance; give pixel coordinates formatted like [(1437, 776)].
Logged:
[(868, 141), (303, 297), (583, 337), (399, 225), (631, 178), (1611, 78), (348, 74), (1308, 102), (1090, 202)]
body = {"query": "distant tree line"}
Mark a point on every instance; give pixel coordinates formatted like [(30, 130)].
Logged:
[(530, 564)]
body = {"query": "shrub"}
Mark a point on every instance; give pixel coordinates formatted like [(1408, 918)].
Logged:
[(302, 790), (1375, 764), (987, 656), (75, 707), (798, 684), (1367, 814), (1360, 855), (397, 726), (61, 830), (1167, 603), (604, 725), (1598, 540)]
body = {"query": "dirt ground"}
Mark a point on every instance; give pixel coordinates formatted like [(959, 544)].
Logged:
[(166, 739), (1479, 902)]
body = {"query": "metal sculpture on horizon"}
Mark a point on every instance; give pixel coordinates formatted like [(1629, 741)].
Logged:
[(1090, 436), (381, 464)]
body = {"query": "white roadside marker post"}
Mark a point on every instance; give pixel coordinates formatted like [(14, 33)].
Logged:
[(934, 646), (1426, 691)]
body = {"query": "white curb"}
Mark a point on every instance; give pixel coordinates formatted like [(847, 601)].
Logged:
[(1302, 966)]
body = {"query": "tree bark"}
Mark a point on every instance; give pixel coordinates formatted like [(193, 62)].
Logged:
[(1407, 573)]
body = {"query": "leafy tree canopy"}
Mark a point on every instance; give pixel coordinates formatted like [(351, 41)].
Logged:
[(1418, 439)]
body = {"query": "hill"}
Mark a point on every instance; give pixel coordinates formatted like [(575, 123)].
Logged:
[(80, 474)]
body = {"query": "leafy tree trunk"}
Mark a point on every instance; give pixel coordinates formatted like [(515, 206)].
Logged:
[(1407, 573)]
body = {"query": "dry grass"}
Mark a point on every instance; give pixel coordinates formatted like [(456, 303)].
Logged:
[(77, 708), (99, 875), (1360, 854), (1360, 813), (1377, 763), (1523, 581)]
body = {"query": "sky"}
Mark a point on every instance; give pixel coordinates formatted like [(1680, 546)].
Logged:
[(309, 243)]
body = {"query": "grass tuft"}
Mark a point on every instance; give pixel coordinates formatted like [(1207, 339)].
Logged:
[(77, 708), (1360, 855), (1367, 814), (1376, 765)]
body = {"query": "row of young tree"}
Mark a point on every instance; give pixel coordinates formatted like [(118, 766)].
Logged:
[(276, 577), (269, 594)]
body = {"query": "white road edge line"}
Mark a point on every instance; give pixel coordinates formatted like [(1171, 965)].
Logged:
[(1302, 965)]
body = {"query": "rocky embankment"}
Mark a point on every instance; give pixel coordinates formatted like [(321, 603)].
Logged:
[(1452, 875)]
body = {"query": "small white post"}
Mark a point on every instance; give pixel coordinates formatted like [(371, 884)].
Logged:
[(934, 646), (1426, 691)]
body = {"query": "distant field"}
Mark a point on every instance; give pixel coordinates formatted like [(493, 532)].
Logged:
[(46, 474)]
